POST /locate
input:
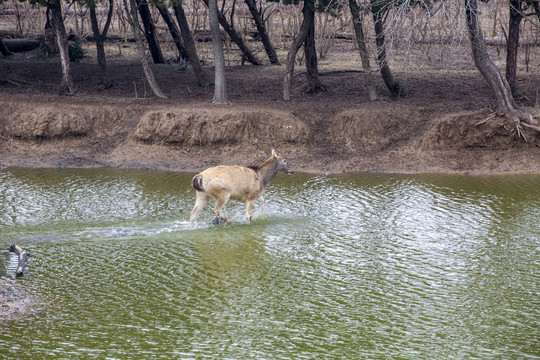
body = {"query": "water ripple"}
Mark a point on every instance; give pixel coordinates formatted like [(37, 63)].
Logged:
[(342, 266)]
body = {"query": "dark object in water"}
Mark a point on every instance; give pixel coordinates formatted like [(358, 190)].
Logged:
[(22, 255), (219, 221)]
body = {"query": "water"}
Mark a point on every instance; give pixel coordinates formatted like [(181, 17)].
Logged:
[(361, 266)]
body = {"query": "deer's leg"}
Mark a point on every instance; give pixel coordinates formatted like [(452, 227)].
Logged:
[(249, 209), (200, 203), (261, 200), (220, 203)]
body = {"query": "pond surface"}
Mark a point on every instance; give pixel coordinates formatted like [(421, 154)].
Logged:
[(357, 266)]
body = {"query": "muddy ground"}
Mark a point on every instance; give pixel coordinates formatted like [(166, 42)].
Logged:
[(13, 301), (433, 129)]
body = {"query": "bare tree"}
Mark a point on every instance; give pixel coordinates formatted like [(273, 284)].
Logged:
[(220, 89), (173, 28), (535, 4), (362, 48), (314, 83), (306, 36), (291, 57), (100, 37), (512, 42), (517, 12), (261, 29), (235, 37), (150, 32), (506, 106), (379, 9), (58, 25), (189, 44), (133, 19)]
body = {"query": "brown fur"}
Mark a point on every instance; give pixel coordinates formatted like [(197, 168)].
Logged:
[(241, 183)]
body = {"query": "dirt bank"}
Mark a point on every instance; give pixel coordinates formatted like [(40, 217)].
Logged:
[(13, 302), (382, 136), (438, 128)]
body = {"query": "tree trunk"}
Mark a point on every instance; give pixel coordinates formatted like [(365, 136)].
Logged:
[(150, 32), (100, 39), (100, 45), (536, 6), (291, 56), (378, 19), (360, 40), (220, 89), (314, 83), (237, 39), (49, 45), (512, 42), (173, 29), (261, 28), (134, 22), (61, 37), (506, 105), (3, 48), (190, 45)]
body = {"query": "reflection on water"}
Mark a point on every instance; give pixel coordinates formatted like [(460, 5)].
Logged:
[(343, 266)]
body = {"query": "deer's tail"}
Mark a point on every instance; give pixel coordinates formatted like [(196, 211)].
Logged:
[(197, 183)]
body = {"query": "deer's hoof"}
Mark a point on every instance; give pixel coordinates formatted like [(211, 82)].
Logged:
[(219, 221)]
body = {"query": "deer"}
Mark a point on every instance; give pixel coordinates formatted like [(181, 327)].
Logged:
[(243, 183)]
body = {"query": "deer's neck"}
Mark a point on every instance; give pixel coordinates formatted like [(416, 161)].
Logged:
[(267, 171)]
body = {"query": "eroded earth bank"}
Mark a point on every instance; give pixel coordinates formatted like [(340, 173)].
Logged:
[(384, 136)]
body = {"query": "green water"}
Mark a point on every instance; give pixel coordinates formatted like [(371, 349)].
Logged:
[(361, 266)]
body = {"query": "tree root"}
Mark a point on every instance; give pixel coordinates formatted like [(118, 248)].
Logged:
[(534, 127), (221, 102), (490, 116), (315, 88), (520, 119), (65, 89), (107, 85), (517, 131)]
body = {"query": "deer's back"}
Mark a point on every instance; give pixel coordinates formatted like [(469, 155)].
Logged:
[(241, 182)]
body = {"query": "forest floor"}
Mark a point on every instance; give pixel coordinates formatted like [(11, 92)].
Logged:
[(437, 128)]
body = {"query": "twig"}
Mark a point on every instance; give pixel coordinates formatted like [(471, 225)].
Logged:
[(13, 82), (491, 116)]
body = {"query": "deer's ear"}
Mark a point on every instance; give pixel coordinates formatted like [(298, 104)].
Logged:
[(274, 153)]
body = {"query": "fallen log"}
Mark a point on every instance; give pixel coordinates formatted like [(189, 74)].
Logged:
[(523, 41), (111, 38), (21, 45), (3, 49), (22, 255)]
